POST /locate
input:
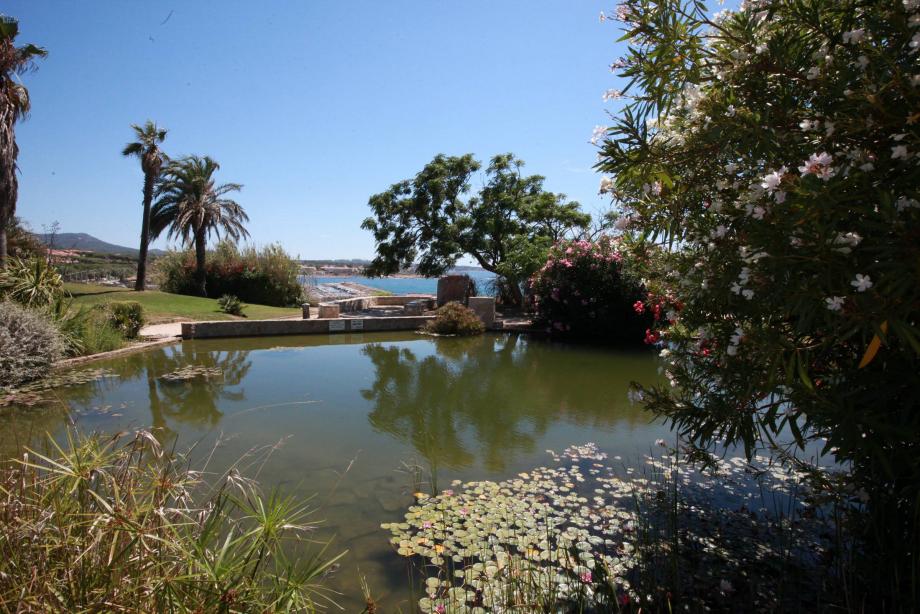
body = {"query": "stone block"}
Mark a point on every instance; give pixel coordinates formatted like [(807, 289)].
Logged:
[(453, 288), (306, 311), (414, 308), (328, 310), (484, 307)]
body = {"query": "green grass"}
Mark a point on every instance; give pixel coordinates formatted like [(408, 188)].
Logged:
[(163, 307)]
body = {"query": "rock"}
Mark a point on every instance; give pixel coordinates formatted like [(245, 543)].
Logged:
[(484, 306), (328, 310), (453, 288)]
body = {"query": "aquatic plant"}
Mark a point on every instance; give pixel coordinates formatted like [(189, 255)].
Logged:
[(586, 537), (119, 525)]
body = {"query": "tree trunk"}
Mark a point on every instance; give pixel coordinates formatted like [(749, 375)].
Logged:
[(200, 272), (141, 284), (3, 246)]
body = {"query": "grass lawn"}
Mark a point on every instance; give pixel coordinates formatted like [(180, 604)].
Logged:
[(163, 307)]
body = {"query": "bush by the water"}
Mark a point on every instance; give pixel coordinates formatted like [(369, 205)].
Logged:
[(585, 291), (455, 319), (230, 304), (127, 317), (29, 344), (113, 525), (266, 276)]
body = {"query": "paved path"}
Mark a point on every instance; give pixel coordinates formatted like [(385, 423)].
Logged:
[(162, 331)]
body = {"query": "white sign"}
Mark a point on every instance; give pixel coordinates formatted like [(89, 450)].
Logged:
[(357, 325), (336, 325)]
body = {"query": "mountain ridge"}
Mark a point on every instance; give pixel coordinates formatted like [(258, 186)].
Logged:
[(87, 242)]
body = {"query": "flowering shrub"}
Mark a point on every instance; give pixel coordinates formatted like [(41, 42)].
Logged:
[(267, 276), (775, 151), (584, 291)]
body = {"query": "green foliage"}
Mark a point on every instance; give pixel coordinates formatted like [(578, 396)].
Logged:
[(266, 276), (779, 165), (32, 282), (29, 344), (584, 291), (230, 304), (435, 220), (121, 522), (455, 319), (127, 317), (191, 207)]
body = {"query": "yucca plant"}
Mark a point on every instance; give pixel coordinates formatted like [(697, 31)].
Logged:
[(32, 282), (119, 525)]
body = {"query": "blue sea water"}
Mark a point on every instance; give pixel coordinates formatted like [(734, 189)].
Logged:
[(409, 285)]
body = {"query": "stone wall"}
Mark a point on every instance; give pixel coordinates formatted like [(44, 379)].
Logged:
[(266, 328)]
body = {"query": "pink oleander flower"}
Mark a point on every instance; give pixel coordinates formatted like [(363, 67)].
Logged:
[(818, 165)]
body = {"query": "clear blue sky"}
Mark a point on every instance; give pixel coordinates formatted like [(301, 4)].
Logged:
[(312, 105)]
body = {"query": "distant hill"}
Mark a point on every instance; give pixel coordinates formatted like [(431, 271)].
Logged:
[(81, 240)]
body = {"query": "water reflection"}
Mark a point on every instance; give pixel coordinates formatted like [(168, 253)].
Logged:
[(488, 398)]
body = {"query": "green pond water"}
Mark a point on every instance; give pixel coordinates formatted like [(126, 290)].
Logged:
[(347, 412)]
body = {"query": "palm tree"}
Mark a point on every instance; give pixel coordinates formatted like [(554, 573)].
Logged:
[(14, 105), (192, 207), (146, 149)]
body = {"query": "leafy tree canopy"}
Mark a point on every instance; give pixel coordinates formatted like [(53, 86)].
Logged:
[(433, 220)]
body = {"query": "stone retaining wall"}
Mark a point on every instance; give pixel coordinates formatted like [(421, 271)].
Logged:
[(361, 303), (266, 328)]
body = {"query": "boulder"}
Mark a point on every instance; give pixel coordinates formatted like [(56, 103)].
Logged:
[(484, 306), (453, 288)]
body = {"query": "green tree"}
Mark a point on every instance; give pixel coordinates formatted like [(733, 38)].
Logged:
[(14, 105), (769, 156), (193, 207), (146, 149), (435, 220)]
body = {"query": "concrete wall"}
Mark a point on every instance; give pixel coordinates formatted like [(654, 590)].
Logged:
[(265, 328), (360, 303)]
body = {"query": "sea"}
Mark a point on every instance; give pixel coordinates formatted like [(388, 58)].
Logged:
[(410, 285)]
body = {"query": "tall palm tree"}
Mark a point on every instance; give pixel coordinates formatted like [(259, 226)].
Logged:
[(146, 149), (14, 105), (193, 207)]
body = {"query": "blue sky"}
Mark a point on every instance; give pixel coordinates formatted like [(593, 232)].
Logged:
[(312, 105)]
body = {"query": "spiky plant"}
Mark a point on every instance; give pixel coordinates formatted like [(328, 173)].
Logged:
[(14, 105), (146, 149), (192, 207)]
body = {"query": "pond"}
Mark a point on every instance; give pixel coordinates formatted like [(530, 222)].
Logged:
[(347, 414)]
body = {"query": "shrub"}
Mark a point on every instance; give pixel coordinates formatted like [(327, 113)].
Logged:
[(29, 344), (127, 317), (268, 276), (455, 319), (584, 291), (31, 282), (777, 161), (122, 522), (230, 304)]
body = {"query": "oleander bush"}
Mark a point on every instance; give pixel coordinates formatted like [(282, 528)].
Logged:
[(585, 291), (455, 319), (120, 525), (772, 155), (29, 344), (266, 276)]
